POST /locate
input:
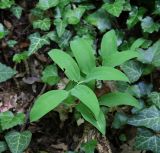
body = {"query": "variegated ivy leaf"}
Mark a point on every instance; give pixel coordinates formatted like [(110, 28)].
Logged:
[(6, 72), (44, 24), (148, 25), (9, 120), (60, 26), (147, 140), (46, 4), (17, 11), (3, 146), (74, 16), (116, 8), (148, 117), (133, 70), (151, 55), (97, 19), (18, 142), (154, 98), (37, 42)]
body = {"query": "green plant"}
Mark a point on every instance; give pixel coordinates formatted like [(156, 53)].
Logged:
[(83, 74), (16, 142)]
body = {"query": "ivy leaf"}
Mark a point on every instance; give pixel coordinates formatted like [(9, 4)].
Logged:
[(50, 75), (135, 16), (11, 43), (60, 26), (44, 24), (37, 42), (9, 120), (154, 98), (83, 52), (18, 58), (157, 8), (46, 102), (3, 146), (17, 11), (99, 123), (97, 19), (133, 70), (46, 4), (66, 63), (74, 16), (2, 31), (18, 142), (147, 140), (87, 97), (151, 55), (148, 117), (120, 119), (148, 25), (6, 72), (118, 98), (6, 4), (106, 73), (116, 8)]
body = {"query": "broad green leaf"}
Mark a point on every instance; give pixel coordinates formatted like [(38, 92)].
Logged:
[(108, 44), (116, 8), (137, 43), (9, 120), (50, 75), (87, 97), (74, 16), (99, 123), (148, 25), (135, 16), (89, 147), (97, 19), (18, 58), (6, 72), (17, 11), (6, 4), (3, 146), (118, 98), (37, 42), (151, 55), (119, 58), (83, 52), (47, 102), (2, 31), (44, 24), (147, 140), (154, 98), (46, 4), (18, 142), (66, 63), (148, 117), (106, 73), (133, 70), (60, 26)]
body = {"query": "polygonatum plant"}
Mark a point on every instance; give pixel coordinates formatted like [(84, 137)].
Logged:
[(82, 71)]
